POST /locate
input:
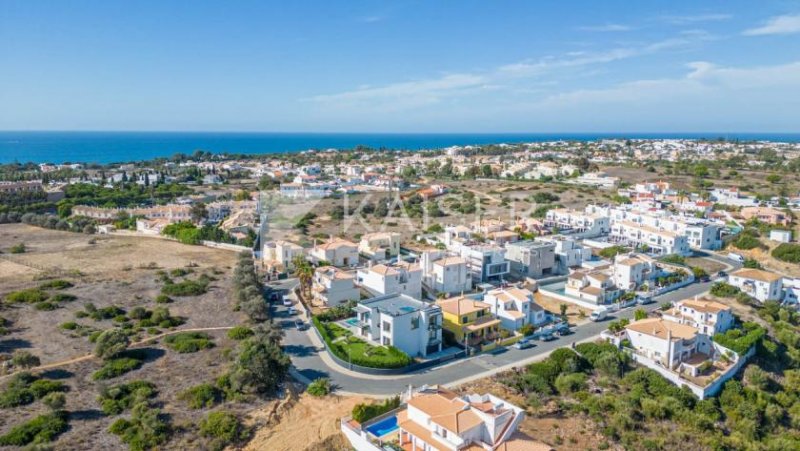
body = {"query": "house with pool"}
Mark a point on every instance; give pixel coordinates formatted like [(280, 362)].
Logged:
[(411, 325), (435, 418)]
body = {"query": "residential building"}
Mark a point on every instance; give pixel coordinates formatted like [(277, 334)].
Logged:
[(305, 190), (587, 225), (708, 317), (598, 179), (669, 343), (401, 277), (657, 240), (445, 274), (332, 286), (502, 237), (411, 325), (439, 419), (766, 215), (337, 252), (380, 245), (732, 196), (531, 258), (760, 284), (596, 287), (515, 307), (569, 253), (632, 270), (781, 236), (485, 262), (469, 321), (281, 254)]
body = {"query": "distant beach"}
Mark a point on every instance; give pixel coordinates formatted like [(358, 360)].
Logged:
[(112, 147)]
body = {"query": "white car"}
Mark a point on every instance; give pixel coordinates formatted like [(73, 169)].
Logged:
[(287, 301)]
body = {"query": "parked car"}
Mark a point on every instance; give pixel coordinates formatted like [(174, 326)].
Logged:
[(641, 300), (287, 301), (292, 311), (563, 330), (547, 337), (736, 257), (299, 324), (525, 343)]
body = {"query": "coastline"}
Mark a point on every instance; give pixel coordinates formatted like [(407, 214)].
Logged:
[(120, 147)]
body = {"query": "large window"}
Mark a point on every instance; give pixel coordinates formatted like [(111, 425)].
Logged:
[(387, 327)]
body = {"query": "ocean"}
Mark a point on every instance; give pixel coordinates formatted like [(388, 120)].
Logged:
[(117, 147)]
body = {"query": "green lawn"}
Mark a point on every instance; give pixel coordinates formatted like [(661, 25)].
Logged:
[(360, 352), (336, 331)]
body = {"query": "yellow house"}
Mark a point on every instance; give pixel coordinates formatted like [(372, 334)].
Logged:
[(469, 321)]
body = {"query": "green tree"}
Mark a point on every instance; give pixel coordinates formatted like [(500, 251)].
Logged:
[(110, 343)]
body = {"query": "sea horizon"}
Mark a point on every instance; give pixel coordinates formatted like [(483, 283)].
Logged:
[(105, 147)]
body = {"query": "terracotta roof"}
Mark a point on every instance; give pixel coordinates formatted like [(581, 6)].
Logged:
[(336, 243), (657, 327), (756, 274), (482, 323), (704, 305), (415, 429), (449, 261), (462, 305), (333, 272), (595, 291)]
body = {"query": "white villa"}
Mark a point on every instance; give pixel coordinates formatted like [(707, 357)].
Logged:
[(401, 277), (380, 245), (445, 274), (411, 325), (515, 307), (531, 258), (596, 287), (760, 284), (437, 419), (281, 254), (337, 252), (332, 286), (708, 317)]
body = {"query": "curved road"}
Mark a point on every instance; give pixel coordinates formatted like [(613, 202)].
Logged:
[(309, 364)]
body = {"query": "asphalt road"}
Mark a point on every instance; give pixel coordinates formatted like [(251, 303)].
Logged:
[(307, 361)]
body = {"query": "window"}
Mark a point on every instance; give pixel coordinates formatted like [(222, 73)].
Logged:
[(387, 327), (480, 313), (464, 319), (415, 323), (387, 341)]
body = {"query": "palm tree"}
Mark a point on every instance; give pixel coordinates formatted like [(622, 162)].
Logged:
[(304, 273)]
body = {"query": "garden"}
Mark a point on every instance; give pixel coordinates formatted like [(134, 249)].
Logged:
[(345, 346)]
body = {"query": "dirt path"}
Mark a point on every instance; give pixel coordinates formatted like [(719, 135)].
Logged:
[(82, 358)]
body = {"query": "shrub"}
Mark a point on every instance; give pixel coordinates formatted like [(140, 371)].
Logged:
[(24, 388), (527, 330), (62, 297), (724, 290), (42, 429), (200, 396), (42, 387), (186, 288), (45, 306), (29, 296), (746, 242), (570, 383), (364, 412), (18, 248), (611, 252), (163, 299), (788, 252), (741, 340), (319, 387), (116, 367), (224, 428), (240, 333), (55, 400), (111, 343), (57, 284), (24, 359), (674, 258), (187, 342), (115, 400), (146, 429)]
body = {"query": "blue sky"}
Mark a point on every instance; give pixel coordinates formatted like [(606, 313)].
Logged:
[(400, 66)]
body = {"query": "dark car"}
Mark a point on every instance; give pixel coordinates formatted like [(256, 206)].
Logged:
[(563, 331), (299, 324)]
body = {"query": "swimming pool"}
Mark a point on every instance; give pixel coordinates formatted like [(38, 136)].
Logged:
[(352, 322), (383, 427)]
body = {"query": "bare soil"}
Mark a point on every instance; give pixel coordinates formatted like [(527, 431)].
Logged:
[(121, 271)]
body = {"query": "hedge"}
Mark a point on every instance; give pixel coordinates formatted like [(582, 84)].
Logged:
[(741, 340), (385, 357), (365, 412)]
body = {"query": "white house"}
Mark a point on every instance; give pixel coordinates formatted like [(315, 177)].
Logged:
[(485, 262), (587, 225), (281, 253), (708, 317), (598, 179), (411, 325), (332, 286), (781, 236), (445, 274), (596, 287), (531, 258), (402, 277), (515, 307), (760, 284), (657, 240), (437, 419), (380, 245), (668, 342), (337, 252), (569, 253)]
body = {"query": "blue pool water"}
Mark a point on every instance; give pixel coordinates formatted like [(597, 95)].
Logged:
[(352, 321), (383, 427)]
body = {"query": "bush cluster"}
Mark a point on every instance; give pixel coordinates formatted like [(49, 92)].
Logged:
[(188, 342), (367, 411)]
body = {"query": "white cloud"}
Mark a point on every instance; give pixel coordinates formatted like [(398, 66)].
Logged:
[(787, 24), (610, 27), (697, 18)]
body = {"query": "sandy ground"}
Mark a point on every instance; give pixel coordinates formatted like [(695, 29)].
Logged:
[(115, 271), (308, 423), (554, 306)]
